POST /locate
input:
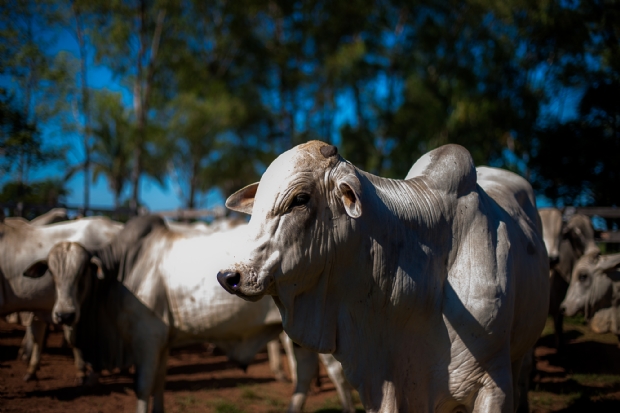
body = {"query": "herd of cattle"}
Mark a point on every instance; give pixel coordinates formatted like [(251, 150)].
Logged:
[(427, 294)]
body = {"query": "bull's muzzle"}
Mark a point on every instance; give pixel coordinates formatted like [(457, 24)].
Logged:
[(553, 260), (230, 280), (64, 318)]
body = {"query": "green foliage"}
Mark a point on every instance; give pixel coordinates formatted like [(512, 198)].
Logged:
[(219, 87), (577, 160), (21, 146), (35, 197)]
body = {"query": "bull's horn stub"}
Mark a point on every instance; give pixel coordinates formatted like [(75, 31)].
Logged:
[(328, 151)]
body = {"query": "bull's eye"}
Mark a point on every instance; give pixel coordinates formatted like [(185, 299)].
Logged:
[(299, 200), (583, 277)]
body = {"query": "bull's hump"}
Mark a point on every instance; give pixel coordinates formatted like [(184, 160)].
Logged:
[(449, 168)]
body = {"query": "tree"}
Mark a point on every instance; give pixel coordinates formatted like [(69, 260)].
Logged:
[(194, 129), (32, 199), (21, 146), (575, 160), (111, 150), (127, 36)]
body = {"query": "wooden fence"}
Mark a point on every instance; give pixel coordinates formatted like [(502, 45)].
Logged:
[(123, 213), (609, 236)]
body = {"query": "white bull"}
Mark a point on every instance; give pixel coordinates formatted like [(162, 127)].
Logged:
[(430, 291)]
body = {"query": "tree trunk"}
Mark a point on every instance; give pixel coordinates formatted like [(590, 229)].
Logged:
[(193, 182), (85, 107), (138, 105), (141, 93)]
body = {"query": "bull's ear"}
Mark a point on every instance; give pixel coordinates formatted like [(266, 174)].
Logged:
[(36, 270), (97, 263), (243, 199), (608, 263), (350, 190)]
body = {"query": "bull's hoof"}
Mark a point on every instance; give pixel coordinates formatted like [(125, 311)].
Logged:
[(24, 355), (30, 376)]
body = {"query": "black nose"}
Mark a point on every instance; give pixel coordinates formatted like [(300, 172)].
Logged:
[(553, 260), (66, 318), (229, 280), (562, 310)]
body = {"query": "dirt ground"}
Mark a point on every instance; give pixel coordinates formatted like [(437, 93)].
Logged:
[(585, 379)]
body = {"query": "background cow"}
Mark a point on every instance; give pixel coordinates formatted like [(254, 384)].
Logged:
[(606, 321), (595, 285), (429, 291), (21, 245), (565, 244), (32, 344), (146, 292)]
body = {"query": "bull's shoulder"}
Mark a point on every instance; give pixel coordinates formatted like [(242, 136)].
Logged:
[(448, 168)]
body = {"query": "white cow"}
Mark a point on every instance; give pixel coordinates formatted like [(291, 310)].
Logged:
[(21, 245), (566, 243), (595, 285), (35, 327), (430, 291), (146, 292)]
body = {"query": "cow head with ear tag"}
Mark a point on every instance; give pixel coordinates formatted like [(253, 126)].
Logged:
[(303, 200), (71, 267)]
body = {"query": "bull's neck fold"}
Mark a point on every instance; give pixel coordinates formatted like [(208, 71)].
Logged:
[(387, 291)]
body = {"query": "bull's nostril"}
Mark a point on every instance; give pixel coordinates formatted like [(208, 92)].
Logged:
[(229, 280), (233, 279), (562, 310)]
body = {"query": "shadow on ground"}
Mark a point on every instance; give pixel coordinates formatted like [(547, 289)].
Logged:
[(584, 377), (119, 383)]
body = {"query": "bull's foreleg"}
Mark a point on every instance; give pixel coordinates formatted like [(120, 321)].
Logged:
[(81, 377), (287, 343), (145, 379), (150, 374), (38, 328), (80, 367), (307, 363), (496, 393), (336, 374), (160, 383), (25, 349), (521, 377), (275, 360)]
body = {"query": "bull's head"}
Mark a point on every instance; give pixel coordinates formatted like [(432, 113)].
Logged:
[(70, 265), (580, 233), (591, 285), (299, 210)]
